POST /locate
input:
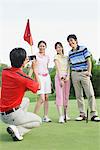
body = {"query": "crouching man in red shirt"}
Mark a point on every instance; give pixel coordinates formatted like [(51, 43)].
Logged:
[(13, 105)]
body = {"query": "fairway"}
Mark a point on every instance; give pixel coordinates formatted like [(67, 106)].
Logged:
[(72, 135)]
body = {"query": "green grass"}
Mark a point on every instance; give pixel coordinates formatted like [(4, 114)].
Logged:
[(54, 136), (33, 98)]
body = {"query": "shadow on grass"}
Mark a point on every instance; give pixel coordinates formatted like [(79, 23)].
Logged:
[(5, 138)]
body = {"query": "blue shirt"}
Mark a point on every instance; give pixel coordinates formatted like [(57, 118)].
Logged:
[(78, 58)]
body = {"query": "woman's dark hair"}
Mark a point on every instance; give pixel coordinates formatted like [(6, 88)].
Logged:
[(60, 44), (73, 36), (42, 42), (17, 57)]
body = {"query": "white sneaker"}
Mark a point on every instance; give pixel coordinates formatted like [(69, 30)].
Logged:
[(80, 118), (46, 119), (61, 119), (13, 131)]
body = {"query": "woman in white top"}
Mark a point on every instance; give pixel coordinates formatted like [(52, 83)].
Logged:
[(45, 80)]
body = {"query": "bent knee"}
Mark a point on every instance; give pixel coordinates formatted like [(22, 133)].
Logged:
[(26, 99), (39, 119), (42, 100)]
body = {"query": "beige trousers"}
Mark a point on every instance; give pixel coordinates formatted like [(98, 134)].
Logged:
[(22, 119), (80, 82)]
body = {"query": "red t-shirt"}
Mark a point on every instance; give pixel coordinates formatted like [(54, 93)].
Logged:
[(14, 84)]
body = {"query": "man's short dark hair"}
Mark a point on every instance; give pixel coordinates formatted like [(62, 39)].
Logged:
[(73, 36), (17, 57)]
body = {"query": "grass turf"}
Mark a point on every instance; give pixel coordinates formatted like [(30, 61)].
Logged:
[(72, 135)]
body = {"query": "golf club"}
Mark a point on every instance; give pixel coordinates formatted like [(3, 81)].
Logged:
[(65, 114), (87, 112)]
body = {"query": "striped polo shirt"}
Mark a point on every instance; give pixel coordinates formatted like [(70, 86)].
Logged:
[(78, 58)]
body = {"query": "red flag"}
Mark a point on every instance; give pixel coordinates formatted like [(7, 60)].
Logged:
[(27, 35)]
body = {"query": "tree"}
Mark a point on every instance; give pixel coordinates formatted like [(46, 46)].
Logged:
[(2, 66), (96, 77)]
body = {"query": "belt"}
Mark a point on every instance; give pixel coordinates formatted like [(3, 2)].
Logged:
[(80, 70), (44, 75), (9, 111)]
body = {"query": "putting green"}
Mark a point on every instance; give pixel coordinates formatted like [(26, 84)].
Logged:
[(72, 135)]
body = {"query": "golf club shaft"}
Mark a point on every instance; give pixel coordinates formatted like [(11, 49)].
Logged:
[(87, 115), (65, 114)]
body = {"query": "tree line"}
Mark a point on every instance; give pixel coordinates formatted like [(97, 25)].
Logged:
[(95, 77)]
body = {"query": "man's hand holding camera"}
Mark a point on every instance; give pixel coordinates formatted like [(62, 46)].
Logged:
[(35, 70), (34, 67)]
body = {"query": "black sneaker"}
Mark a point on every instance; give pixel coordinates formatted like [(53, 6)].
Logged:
[(95, 118)]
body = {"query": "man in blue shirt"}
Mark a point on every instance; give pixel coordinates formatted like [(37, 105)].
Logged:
[(80, 62)]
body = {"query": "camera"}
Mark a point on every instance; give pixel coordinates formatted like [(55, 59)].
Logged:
[(32, 57)]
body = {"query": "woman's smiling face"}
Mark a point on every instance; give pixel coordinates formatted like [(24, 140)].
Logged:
[(42, 47), (59, 49)]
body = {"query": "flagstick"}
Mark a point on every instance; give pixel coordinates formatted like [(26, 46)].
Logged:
[(31, 50), (31, 70)]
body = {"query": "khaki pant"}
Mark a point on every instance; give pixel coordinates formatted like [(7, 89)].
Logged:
[(22, 119), (80, 82)]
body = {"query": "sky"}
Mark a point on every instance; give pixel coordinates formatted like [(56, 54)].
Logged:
[(51, 21)]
